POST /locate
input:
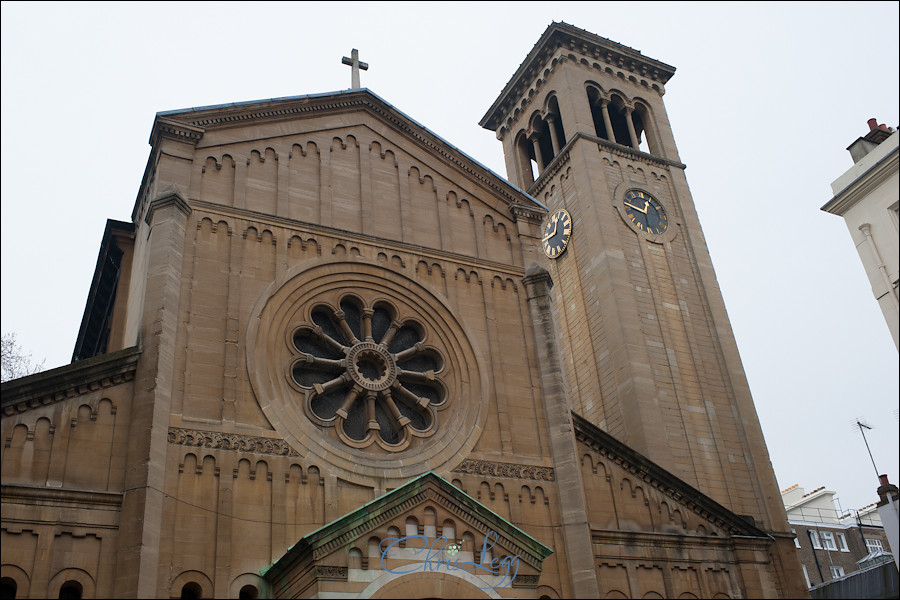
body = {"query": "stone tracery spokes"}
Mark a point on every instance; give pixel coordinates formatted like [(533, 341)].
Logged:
[(368, 374)]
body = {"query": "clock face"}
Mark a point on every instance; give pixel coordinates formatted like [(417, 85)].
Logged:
[(556, 233), (645, 212)]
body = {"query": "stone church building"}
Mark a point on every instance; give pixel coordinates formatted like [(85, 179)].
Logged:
[(333, 356)]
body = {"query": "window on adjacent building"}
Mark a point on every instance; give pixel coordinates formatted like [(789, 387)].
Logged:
[(842, 542), (796, 539), (874, 545), (806, 575), (837, 572), (828, 540), (814, 538)]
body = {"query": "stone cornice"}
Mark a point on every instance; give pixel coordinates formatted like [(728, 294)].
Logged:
[(229, 441), (646, 470), (529, 213), (344, 235), (170, 197), (615, 539), (863, 185), (69, 381), (562, 158), (560, 37), (632, 154), (60, 497), (175, 130)]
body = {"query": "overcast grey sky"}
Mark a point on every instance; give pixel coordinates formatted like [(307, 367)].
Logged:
[(765, 100)]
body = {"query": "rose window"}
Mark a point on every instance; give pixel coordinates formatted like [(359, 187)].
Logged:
[(367, 373)]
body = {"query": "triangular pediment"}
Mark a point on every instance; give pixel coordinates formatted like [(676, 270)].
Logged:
[(238, 122), (420, 522), (632, 493)]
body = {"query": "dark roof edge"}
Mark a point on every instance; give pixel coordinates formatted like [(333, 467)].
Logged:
[(112, 227), (68, 381), (679, 490)]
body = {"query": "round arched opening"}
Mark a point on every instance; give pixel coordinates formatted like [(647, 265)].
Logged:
[(70, 590), (191, 591)]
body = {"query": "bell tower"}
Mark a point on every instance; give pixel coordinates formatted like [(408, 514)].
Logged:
[(647, 349)]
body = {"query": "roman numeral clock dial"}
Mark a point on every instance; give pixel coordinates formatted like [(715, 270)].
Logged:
[(557, 232), (645, 212)]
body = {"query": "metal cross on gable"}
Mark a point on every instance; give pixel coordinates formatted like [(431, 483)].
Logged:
[(356, 65)]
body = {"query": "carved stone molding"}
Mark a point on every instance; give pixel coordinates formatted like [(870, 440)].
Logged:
[(229, 441), (495, 469), (525, 212), (176, 130), (526, 581), (331, 573)]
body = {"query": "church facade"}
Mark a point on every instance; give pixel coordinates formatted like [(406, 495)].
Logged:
[(333, 356)]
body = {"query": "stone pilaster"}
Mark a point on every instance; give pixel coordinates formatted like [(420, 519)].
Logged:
[(142, 506), (573, 513)]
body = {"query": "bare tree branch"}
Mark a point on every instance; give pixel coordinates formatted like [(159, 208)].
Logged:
[(15, 363)]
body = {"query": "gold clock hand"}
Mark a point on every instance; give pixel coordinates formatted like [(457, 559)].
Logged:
[(550, 235), (643, 210)]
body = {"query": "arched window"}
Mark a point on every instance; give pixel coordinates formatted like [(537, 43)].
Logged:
[(554, 119), (448, 530), (8, 588), (71, 590), (542, 143), (597, 103), (643, 127), (638, 123), (618, 118), (412, 526), (191, 591), (525, 160), (355, 558), (248, 592)]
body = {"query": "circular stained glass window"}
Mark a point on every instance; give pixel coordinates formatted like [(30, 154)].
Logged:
[(369, 373)]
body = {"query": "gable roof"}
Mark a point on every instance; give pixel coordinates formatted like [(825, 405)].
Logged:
[(427, 487), (190, 124)]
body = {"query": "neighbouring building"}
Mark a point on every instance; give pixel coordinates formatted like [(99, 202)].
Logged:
[(867, 197), (331, 355), (832, 544)]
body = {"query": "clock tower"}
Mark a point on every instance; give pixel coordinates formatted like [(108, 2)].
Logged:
[(646, 347)]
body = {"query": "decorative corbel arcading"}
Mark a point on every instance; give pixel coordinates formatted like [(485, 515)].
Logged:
[(351, 100)]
